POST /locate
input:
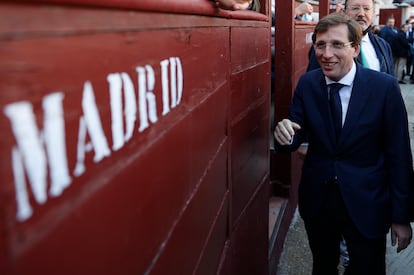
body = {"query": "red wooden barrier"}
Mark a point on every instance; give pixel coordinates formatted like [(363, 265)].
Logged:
[(134, 138)]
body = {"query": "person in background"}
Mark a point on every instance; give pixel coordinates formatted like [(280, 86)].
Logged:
[(359, 161), (388, 32), (376, 52), (303, 12), (339, 6), (410, 69), (401, 50), (253, 5)]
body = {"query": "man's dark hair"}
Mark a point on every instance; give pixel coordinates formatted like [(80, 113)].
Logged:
[(335, 19)]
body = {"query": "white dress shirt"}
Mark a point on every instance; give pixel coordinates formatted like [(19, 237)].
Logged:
[(345, 91), (369, 52)]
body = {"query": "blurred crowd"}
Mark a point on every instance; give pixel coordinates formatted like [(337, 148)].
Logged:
[(401, 41)]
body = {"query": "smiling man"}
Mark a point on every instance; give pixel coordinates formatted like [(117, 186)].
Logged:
[(356, 176), (375, 53)]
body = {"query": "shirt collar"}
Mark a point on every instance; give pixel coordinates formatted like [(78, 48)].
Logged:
[(365, 38), (347, 80)]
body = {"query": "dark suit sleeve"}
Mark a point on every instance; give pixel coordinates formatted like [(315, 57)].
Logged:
[(389, 59), (398, 155), (384, 53)]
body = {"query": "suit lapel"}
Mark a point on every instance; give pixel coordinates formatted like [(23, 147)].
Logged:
[(379, 51)]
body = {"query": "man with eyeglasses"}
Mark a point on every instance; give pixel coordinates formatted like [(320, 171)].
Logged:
[(375, 53), (356, 176)]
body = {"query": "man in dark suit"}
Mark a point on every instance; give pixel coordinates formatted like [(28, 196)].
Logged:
[(401, 50), (375, 54), (356, 176), (377, 51), (410, 61), (389, 31)]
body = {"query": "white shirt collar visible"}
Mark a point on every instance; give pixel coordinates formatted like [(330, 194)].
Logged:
[(347, 80), (365, 38), (346, 91)]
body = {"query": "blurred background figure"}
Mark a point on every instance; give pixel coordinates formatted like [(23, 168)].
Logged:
[(410, 60), (239, 4), (388, 32), (401, 50), (303, 12)]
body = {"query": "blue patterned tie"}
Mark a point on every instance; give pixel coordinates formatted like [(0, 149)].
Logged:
[(336, 107)]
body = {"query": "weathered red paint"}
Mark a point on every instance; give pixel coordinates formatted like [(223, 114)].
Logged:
[(189, 195)]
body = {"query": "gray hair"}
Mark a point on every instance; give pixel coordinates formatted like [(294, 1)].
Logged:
[(346, 2)]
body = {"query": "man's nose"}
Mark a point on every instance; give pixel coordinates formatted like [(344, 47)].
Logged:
[(328, 51)]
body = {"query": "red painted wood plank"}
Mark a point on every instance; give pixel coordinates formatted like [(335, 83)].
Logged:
[(247, 48), (199, 219), (194, 158), (32, 21), (42, 66), (249, 238), (168, 6), (249, 154), (249, 87)]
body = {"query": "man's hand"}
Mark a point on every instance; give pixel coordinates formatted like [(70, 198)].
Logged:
[(401, 233), (304, 8), (285, 130)]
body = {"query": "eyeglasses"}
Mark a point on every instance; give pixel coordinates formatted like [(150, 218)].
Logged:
[(355, 9), (336, 45)]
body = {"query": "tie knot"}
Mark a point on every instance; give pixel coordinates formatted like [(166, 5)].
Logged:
[(335, 87)]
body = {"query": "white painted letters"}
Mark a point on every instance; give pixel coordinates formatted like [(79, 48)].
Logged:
[(30, 155), (176, 83), (93, 123), (41, 155), (54, 134), (30, 147), (116, 82), (146, 97)]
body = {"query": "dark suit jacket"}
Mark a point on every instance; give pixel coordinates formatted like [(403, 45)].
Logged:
[(411, 37), (382, 49), (388, 33), (372, 159), (400, 46)]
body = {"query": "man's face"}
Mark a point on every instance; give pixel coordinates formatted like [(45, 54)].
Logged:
[(405, 28), (391, 23), (334, 52), (360, 10)]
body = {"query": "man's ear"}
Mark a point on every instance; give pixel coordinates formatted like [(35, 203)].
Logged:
[(357, 50)]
